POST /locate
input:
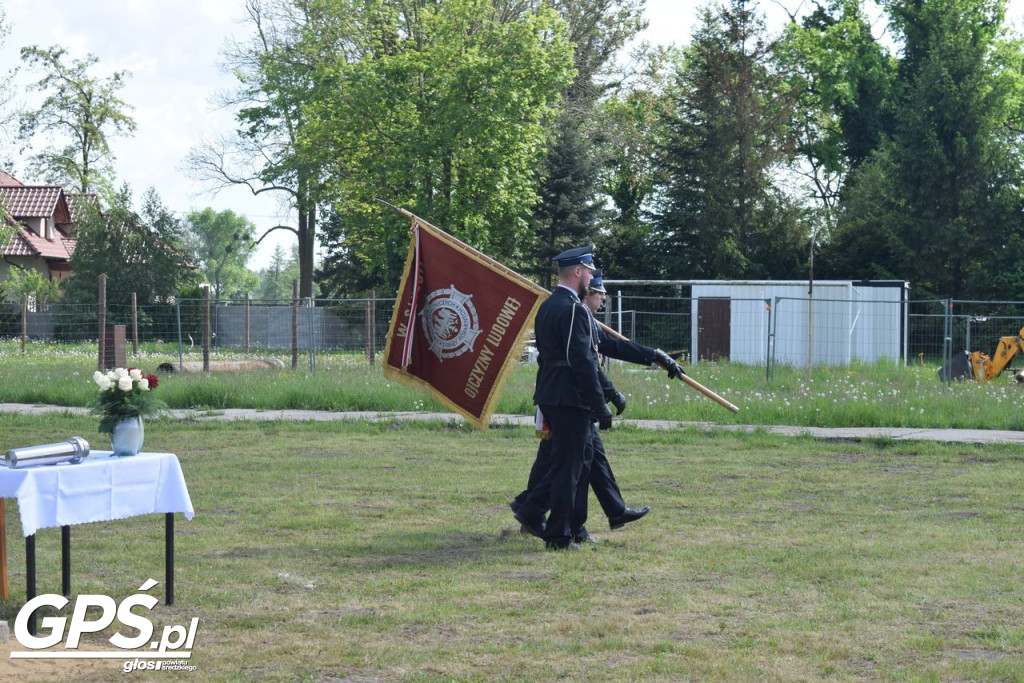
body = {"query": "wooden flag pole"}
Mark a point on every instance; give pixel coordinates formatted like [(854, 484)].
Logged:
[(686, 378), (526, 282)]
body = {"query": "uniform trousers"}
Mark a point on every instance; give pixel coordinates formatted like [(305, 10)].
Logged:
[(571, 443), (597, 474)]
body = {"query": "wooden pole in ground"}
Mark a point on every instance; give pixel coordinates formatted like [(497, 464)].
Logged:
[(248, 312), (373, 326), (5, 592), (101, 322), (295, 324), (206, 329), (135, 326), (24, 322)]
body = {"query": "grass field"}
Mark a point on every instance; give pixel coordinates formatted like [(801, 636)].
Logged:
[(881, 395), (364, 552)]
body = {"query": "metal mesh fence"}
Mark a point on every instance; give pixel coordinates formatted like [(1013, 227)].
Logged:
[(926, 337), (660, 322), (759, 332)]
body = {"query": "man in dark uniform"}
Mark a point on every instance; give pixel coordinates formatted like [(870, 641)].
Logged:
[(598, 474), (568, 391), (537, 491)]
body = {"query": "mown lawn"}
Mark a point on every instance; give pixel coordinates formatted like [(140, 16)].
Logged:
[(358, 551)]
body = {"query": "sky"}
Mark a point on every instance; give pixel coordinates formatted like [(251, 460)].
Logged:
[(173, 51)]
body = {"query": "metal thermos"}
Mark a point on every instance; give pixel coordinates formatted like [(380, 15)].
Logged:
[(73, 450)]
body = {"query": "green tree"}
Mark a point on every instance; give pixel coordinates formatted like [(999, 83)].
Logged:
[(632, 133), (570, 212), (267, 153), (597, 30), (438, 107), (343, 274), (277, 278), (569, 209), (30, 282), (945, 191), (221, 243), (8, 115), (79, 111), (720, 215), (142, 253), (844, 78)]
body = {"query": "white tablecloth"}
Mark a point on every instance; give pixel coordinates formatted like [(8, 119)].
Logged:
[(99, 488)]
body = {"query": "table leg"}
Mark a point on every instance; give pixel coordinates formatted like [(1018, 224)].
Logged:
[(65, 560), (30, 577), (5, 592), (169, 555)]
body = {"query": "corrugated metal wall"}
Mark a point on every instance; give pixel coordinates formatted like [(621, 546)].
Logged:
[(849, 321)]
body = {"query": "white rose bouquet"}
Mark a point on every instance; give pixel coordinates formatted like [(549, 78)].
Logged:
[(123, 393)]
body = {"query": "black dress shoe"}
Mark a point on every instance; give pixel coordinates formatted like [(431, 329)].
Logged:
[(531, 527), (630, 515), (585, 538)]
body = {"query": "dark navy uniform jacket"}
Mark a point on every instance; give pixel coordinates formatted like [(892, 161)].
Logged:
[(567, 355)]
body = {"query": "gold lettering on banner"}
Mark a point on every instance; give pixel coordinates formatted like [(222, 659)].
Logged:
[(403, 328), (493, 339)]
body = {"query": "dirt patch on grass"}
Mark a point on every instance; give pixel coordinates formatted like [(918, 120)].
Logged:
[(57, 669)]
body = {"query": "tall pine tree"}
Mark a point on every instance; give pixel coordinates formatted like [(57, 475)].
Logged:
[(720, 214), (939, 203)]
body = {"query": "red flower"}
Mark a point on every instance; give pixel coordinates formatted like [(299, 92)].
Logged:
[(153, 382)]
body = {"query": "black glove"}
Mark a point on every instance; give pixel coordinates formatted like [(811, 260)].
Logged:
[(619, 401), (676, 371), (665, 361), (604, 420)]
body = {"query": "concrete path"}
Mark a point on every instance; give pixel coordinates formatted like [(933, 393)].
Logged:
[(850, 433)]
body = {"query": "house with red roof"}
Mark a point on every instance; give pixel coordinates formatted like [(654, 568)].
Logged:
[(43, 220)]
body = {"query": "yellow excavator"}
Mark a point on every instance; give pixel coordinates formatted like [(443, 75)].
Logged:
[(985, 367)]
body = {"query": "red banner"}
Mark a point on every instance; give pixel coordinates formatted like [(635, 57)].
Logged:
[(458, 323)]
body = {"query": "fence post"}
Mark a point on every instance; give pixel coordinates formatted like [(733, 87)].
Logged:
[(618, 295), (311, 334), (368, 331), (24, 322), (373, 326), (177, 315), (295, 324), (206, 328), (810, 330), (248, 312), (101, 321), (768, 349), (135, 326), (947, 341), (775, 330)]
